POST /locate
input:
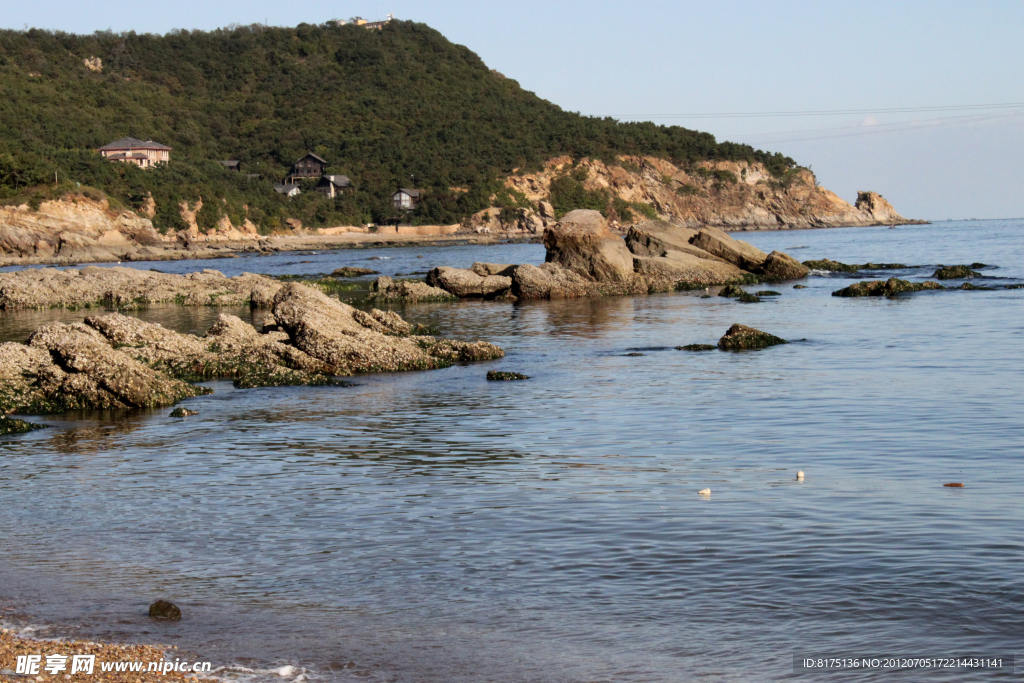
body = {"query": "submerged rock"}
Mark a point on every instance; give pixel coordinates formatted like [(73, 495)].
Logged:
[(498, 376), (161, 609), (697, 347), (748, 298), (890, 287), (353, 272), (10, 425), (742, 338), (837, 267), (961, 272), (731, 291), (183, 412), (768, 292)]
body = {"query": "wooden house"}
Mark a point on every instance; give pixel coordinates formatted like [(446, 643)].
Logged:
[(332, 185), (406, 198), (142, 153), (309, 166)]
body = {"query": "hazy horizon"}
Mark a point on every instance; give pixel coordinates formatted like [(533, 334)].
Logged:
[(952, 156)]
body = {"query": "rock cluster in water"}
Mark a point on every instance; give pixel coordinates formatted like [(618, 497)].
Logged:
[(115, 361), (585, 258), (890, 287)]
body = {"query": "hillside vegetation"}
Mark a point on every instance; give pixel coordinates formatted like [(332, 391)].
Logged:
[(399, 106)]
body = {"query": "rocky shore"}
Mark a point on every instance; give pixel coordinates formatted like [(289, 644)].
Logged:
[(12, 646), (79, 229), (84, 227), (114, 361), (586, 258)]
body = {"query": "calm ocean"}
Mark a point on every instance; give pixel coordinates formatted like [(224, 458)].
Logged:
[(434, 526)]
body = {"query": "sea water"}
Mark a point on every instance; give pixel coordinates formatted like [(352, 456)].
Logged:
[(434, 526)]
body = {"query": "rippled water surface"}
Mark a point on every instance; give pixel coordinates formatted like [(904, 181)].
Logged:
[(437, 527)]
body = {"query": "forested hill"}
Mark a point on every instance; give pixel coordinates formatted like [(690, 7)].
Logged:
[(398, 106)]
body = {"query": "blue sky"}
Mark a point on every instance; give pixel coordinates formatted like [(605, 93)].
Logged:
[(666, 60)]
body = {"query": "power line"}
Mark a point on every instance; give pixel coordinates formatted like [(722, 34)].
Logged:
[(822, 112), (875, 129)]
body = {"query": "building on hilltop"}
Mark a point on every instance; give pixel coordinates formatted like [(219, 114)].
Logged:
[(406, 198), (332, 185), (142, 153), (309, 166), (359, 21), (231, 164)]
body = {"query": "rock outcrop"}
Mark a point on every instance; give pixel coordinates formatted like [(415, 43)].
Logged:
[(129, 288), (75, 229), (585, 258), (723, 194), (582, 243), (114, 361)]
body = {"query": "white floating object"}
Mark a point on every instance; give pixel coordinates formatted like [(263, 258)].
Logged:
[(704, 492), (800, 476), (286, 671)]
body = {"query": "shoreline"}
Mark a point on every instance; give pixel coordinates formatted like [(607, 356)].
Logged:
[(178, 251), (263, 246), (14, 644)]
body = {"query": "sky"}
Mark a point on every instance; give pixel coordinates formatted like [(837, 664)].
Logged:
[(947, 152)]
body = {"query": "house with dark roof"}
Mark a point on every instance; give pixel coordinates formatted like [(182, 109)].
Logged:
[(332, 185), (142, 153), (309, 166), (231, 164), (406, 198)]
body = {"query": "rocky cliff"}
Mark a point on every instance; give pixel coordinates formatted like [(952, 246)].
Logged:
[(724, 194)]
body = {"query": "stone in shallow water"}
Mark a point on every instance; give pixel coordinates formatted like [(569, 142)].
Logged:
[(161, 609), (768, 292), (353, 272), (742, 338), (732, 291), (13, 426), (497, 376), (890, 287), (697, 347), (748, 298), (961, 272), (183, 412)]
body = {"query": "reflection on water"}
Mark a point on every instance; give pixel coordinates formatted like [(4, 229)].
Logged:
[(436, 526)]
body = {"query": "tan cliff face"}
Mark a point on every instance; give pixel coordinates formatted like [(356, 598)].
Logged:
[(79, 228), (724, 194), (71, 227)]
